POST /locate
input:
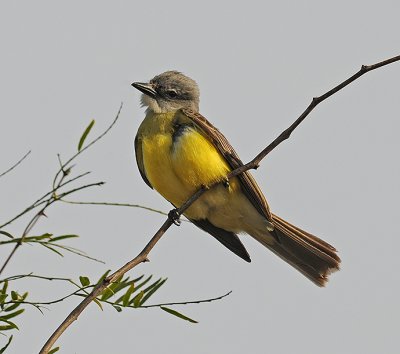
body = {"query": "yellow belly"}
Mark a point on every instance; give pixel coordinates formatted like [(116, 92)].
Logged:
[(176, 169)]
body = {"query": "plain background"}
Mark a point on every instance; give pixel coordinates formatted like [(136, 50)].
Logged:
[(258, 65)]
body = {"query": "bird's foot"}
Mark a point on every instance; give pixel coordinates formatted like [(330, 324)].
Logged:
[(226, 183), (174, 216)]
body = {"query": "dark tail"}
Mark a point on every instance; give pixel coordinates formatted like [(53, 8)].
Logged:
[(313, 257)]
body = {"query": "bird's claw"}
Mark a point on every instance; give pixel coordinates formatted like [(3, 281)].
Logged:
[(174, 216)]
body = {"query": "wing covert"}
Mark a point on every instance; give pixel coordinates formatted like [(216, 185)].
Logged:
[(248, 183)]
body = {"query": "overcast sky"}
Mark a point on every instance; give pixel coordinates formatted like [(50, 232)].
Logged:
[(258, 64)]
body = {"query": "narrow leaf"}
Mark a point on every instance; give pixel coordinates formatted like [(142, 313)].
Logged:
[(54, 350), (52, 249), (137, 298), (103, 276), (5, 233), (152, 291), (98, 304), (37, 238), (62, 237), (14, 295), (84, 281), (3, 298), (12, 314), (144, 282), (12, 307), (11, 325), (152, 285), (117, 308), (5, 286), (109, 291), (127, 296), (177, 314), (85, 134)]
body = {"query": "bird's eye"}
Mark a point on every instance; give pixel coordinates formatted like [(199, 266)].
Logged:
[(172, 93)]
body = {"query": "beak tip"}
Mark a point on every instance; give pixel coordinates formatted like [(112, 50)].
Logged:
[(145, 88)]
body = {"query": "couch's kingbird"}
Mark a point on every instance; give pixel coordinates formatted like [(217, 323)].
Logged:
[(178, 151)]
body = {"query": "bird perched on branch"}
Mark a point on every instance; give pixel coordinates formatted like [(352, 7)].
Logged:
[(179, 151)]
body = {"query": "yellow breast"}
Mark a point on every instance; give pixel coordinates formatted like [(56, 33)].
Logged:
[(177, 166)]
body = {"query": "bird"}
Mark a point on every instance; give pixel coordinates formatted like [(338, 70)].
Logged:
[(179, 151)]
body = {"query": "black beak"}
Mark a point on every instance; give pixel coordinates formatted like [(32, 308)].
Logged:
[(146, 88)]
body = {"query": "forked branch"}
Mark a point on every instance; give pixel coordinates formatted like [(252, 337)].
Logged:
[(253, 164)]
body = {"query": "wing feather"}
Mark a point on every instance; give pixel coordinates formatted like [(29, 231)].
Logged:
[(139, 160), (248, 183)]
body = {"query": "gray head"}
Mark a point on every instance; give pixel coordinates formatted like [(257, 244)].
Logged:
[(168, 92)]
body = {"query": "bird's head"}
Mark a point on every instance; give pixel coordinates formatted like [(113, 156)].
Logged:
[(168, 92)]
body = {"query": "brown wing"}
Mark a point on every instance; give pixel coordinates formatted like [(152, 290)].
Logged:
[(248, 183), (139, 160)]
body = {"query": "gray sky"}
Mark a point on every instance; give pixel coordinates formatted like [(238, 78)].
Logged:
[(258, 64)]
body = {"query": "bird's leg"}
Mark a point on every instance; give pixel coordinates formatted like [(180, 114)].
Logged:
[(225, 182), (174, 216)]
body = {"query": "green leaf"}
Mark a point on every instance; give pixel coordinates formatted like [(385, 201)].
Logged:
[(62, 237), (2, 350), (152, 285), (5, 286), (85, 134), (84, 281), (137, 298), (54, 350), (11, 325), (37, 238), (98, 304), (127, 295), (138, 286), (152, 291), (14, 295), (12, 307), (118, 308), (103, 276), (122, 285), (108, 292), (12, 314), (2, 298), (52, 249), (5, 233), (177, 314)]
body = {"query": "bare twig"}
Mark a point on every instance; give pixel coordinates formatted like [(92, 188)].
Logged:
[(120, 205), (77, 292), (16, 164), (52, 196), (38, 215), (174, 215), (187, 302), (42, 200), (116, 204), (63, 166)]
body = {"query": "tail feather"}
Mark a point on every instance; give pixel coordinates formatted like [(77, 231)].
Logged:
[(313, 257)]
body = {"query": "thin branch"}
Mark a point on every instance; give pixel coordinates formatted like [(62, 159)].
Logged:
[(16, 164), (39, 214), (64, 170), (64, 165), (51, 302), (253, 164), (41, 200), (175, 214), (119, 205), (186, 302)]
